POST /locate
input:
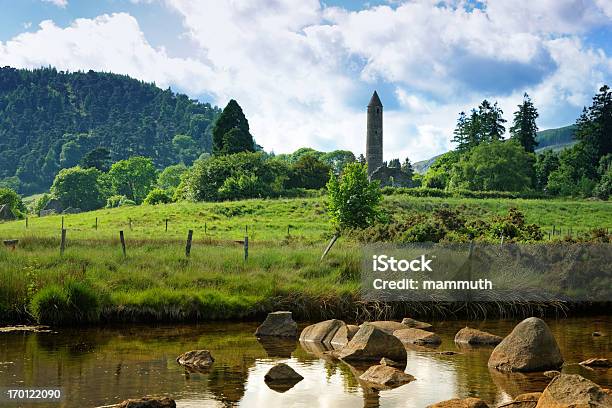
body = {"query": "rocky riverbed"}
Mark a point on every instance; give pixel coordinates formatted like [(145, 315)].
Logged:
[(105, 366)]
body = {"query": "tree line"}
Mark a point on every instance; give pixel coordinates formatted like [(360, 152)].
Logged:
[(484, 160)]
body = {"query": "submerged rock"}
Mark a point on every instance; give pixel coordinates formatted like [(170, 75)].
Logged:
[(597, 334), (278, 324), (384, 376), (475, 337), (460, 403), (322, 332), (529, 347), (596, 363), (148, 402), (573, 391), (196, 359), (371, 344), (281, 377), (417, 336), (415, 324)]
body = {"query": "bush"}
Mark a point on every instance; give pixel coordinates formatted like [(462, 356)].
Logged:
[(59, 306), (13, 200), (119, 201), (206, 181), (158, 196), (353, 199)]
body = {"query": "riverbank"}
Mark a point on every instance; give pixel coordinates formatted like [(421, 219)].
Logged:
[(92, 281)]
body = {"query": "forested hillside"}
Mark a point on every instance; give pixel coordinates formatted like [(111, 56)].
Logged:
[(50, 120), (556, 139)]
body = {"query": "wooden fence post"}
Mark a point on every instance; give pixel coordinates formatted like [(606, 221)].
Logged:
[(246, 248), (188, 247), (330, 245), (62, 222), (63, 243), (27, 222), (122, 238), (96, 223), (166, 225), (205, 229)]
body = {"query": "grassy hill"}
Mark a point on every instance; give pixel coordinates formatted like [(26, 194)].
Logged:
[(157, 282)]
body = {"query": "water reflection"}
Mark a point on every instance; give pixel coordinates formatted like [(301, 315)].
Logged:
[(102, 366)]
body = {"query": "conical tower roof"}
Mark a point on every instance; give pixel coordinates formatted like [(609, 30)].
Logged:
[(375, 100)]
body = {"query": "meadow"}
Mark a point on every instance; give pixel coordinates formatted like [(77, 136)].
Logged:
[(92, 281)]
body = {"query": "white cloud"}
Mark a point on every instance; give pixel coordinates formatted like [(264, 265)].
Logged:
[(302, 71), (58, 3), (106, 43)]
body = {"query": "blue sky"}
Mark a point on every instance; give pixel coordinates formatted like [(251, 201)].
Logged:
[(303, 70)]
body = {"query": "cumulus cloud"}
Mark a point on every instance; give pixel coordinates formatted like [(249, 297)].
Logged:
[(58, 3), (111, 43), (303, 71)]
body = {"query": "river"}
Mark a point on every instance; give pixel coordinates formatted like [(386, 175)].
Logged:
[(105, 365)]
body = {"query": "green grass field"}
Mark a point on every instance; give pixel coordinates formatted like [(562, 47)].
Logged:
[(157, 282)]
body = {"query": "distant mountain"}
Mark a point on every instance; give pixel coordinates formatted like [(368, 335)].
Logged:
[(50, 119), (556, 139), (549, 139)]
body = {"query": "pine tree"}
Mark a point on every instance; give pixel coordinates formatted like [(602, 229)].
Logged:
[(524, 127), (594, 126), (231, 131), (461, 132), (492, 122), (407, 168)]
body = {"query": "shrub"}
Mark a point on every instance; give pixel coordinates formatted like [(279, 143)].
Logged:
[(10, 197), (119, 201), (429, 231), (353, 199), (158, 196)]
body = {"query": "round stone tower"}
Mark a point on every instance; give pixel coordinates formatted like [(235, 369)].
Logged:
[(374, 142)]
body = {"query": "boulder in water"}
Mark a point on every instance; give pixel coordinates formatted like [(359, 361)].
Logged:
[(148, 402), (416, 324), (573, 391), (322, 332), (383, 376), (596, 363), (281, 377), (475, 337), (388, 326), (344, 335), (529, 347), (278, 324), (196, 359), (371, 344), (417, 336), (460, 403)]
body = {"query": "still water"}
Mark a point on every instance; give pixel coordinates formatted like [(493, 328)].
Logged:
[(101, 366)]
